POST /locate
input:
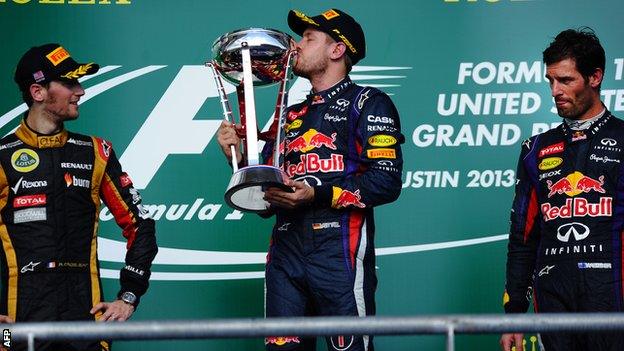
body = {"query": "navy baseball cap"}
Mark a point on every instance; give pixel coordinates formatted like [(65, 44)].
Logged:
[(337, 24), (48, 62)]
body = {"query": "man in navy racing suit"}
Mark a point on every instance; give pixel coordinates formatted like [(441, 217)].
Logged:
[(565, 243), (342, 152)]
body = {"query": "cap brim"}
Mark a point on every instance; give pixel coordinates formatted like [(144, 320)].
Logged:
[(81, 70), (298, 22)]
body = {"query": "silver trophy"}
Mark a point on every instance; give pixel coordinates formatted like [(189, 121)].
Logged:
[(248, 58)]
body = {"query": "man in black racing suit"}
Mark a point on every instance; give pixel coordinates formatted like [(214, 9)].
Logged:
[(342, 152), (565, 243), (51, 183)]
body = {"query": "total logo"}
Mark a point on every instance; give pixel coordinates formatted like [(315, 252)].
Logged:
[(161, 142), (551, 149), (579, 230), (29, 200), (311, 140), (574, 184)]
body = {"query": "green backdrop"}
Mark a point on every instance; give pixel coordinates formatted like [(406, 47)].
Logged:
[(465, 75)]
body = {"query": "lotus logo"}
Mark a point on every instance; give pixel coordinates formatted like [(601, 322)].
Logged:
[(608, 142), (579, 230)]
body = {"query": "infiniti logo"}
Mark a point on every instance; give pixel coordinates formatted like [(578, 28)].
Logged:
[(608, 142), (579, 230), (342, 102)]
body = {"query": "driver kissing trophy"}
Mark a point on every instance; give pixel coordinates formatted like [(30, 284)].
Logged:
[(249, 57)]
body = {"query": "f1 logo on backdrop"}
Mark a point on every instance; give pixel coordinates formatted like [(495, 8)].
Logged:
[(175, 119), (174, 116)]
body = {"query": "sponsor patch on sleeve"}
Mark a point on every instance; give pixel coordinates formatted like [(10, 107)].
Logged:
[(382, 140), (125, 180), (381, 153)]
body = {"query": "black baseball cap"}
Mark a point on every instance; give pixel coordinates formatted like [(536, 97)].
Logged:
[(339, 25), (48, 62)]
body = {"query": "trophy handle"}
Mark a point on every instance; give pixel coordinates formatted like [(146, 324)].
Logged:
[(250, 108), (280, 112), (227, 110)]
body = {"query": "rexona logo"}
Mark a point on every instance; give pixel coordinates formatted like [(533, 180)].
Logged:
[(164, 153)]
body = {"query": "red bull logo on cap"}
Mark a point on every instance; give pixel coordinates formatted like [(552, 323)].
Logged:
[(311, 140), (574, 184)]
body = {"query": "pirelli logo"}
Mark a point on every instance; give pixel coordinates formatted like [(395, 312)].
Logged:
[(381, 153), (57, 56), (329, 14)]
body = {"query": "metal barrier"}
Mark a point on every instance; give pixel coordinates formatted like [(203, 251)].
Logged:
[(317, 326)]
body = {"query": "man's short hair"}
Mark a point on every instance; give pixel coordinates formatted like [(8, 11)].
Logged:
[(581, 45)]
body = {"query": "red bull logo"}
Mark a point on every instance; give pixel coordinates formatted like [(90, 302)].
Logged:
[(312, 163), (281, 340), (347, 198), (577, 207), (574, 184), (311, 140)]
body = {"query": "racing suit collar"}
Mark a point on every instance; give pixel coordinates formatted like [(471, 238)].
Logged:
[(584, 124), (576, 135), (40, 141), (330, 94)]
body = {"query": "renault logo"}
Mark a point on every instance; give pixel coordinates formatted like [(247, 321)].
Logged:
[(579, 230), (608, 142)]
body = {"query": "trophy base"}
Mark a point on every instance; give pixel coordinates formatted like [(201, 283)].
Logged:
[(246, 190)]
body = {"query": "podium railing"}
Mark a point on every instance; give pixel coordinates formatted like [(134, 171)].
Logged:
[(450, 325)]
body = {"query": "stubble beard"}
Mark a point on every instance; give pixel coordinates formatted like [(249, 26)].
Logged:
[(308, 71), (60, 116), (578, 108)]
